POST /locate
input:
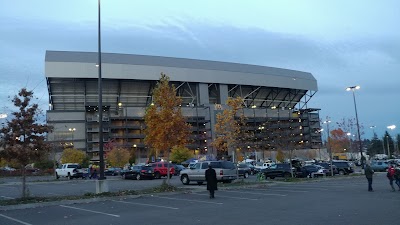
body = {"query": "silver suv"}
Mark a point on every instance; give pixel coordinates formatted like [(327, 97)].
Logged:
[(225, 170)]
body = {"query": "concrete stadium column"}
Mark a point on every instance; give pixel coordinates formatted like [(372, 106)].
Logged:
[(223, 93), (202, 95)]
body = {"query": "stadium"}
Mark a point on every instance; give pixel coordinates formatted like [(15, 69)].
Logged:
[(275, 101)]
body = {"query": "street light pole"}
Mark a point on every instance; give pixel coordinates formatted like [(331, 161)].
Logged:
[(391, 127), (135, 148), (100, 107), (329, 144), (352, 88), (72, 130)]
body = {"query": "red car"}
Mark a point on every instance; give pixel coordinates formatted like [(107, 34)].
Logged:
[(160, 169)]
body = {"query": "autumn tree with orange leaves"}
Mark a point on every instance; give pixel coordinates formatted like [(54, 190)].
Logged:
[(23, 138), (118, 157), (165, 125), (229, 129), (338, 141)]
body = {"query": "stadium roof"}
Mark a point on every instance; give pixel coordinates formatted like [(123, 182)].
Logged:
[(63, 64)]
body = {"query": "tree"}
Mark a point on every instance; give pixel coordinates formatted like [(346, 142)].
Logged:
[(118, 157), (280, 157), (338, 140), (71, 155), (180, 154), (165, 124), (375, 147), (388, 141), (229, 130), (23, 137), (350, 125)]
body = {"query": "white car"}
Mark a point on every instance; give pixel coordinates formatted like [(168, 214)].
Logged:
[(7, 168)]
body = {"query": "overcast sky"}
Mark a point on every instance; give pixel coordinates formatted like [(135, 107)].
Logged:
[(342, 43)]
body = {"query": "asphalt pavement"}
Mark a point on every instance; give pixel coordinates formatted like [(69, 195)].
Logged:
[(335, 201)]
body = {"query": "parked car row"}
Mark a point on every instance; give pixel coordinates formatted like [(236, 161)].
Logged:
[(310, 170)]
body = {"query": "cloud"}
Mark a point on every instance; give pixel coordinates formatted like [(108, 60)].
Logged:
[(372, 62)]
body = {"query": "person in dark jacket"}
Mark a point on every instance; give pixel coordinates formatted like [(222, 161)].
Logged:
[(368, 174), (211, 178)]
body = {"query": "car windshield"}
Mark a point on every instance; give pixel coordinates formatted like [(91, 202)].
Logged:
[(74, 166)]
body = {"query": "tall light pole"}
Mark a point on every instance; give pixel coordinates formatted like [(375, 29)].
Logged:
[(349, 136), (391, 127), (135, 148), (72, 130), (100, 107), (352, 89), (329, 144)]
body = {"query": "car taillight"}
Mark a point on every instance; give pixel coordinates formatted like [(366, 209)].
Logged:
[(221, 172), (143, 171)]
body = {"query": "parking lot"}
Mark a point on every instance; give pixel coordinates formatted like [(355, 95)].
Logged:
[(330, 201)]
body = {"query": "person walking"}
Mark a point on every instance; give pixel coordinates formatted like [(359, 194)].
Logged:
[(397, 176), (390, 176), (211, 178), (368, 174)]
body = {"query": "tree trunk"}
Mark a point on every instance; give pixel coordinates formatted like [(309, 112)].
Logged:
[(290, 163), (24, 194), (168, 169)]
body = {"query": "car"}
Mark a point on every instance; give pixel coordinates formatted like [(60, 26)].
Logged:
[(244, 170), (328, 167), (254, 170), (225, 170), (278, 170), (139, 172), (161, 168), (70, 170), (314, 170), (178, 169), (344, 167), (7, 168), (379, 165), (112, 171)]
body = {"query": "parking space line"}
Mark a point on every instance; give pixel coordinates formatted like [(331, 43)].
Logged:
[(189, 200), (333, 186), (87, 210), (135, 203), (293, 191), (252, 193), (306, 188), (50, 193), (7, 197), (16, 220), (224, 196)]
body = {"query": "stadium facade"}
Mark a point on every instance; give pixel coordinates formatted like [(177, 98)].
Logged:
[(276, 101)]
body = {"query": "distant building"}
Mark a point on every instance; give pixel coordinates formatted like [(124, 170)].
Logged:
[(276, 100)]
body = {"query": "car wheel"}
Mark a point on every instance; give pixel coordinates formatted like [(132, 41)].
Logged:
[(287, 175), (124, 176), (157, 175), (341, 172), (246, 175), (185, 179), (138, 177), (199, 183), (69, 176), (57, 176), (170, 176), (272, 178)]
